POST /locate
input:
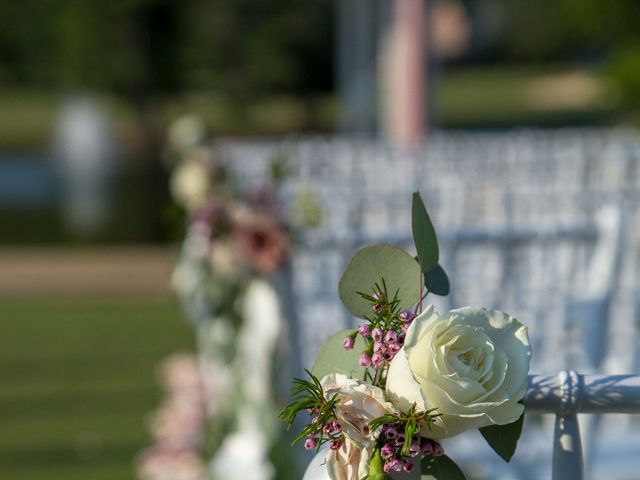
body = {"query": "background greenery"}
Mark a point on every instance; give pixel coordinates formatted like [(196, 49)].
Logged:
[(77, 382), (76, 373)]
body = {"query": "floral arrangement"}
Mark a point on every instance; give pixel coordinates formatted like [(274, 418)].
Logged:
[(177, 425), (239, 233), (233, 257), (384, 395)]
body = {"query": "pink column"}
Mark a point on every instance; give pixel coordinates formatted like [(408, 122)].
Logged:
[(405, 83)]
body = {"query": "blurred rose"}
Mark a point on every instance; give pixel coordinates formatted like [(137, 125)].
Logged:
[(180, 371), (189, 184), (261, 242), (225, 261)]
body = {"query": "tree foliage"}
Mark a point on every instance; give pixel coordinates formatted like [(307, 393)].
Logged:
[(235, 46)]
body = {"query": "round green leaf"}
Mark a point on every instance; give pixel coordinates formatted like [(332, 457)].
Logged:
[(369, 266), (334, 358)]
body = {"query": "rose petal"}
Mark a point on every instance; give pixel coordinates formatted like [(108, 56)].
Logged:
[(402, 388)]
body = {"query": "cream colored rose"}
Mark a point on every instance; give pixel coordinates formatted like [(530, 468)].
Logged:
[(471, 364), (358, 404), (350, 462), (189, 184)]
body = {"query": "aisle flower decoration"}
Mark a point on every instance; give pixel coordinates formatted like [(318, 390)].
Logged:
[(233, 262), (177, 426), (383, 396)]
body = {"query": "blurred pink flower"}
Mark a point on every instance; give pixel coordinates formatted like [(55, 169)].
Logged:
[(262, 243), (170, 464)]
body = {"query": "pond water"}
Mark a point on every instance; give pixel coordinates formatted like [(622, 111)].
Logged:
[(27, 180)]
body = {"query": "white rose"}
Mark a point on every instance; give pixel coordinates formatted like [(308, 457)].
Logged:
[(471, 364), (358, 404), (350, 462), (189, 184)]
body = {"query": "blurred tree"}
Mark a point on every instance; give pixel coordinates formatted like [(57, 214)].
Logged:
[(603, 33), (240, 47), (144, 51), (556, 29)]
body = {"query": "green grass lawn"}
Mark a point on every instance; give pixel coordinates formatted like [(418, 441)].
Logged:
[(485, 96), (76, 381), (508, 96)]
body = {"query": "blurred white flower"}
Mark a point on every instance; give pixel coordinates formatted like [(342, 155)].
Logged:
[(187, 132), (189, 184), (225, 261)]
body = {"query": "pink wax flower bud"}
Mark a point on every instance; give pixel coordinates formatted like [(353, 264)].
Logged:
[(378, 308), (390, 432), (314, 420), (387, 356), (406, 316), (426, 448), (364, 330), (414, 450), (400, 438), (377, 359), (401, 337), (386, 468), (408, 466), (377, 334), (379, 347), (365, 360), (394, 348), (310, 443), (386, 451), (377, 296), (390, 337), (348, 343), (438, 451), (336, 427), (328, 428), (396, 465), (404, 328), (335, 444)]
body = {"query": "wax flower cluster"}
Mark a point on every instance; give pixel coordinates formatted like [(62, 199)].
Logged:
[(384, 331), (400, 443)]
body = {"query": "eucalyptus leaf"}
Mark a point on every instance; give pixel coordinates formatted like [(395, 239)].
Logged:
[(371, 265), (437, 281), (504, 438), (334, 358), (440, 468), (424, 235)]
